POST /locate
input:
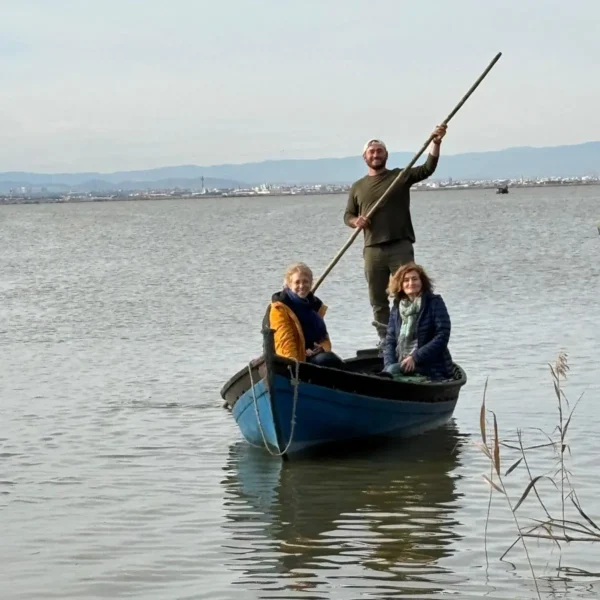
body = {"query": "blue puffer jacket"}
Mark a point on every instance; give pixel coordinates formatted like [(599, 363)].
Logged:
[(432, 357)]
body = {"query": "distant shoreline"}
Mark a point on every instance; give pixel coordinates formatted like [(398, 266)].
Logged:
[(6, 200)]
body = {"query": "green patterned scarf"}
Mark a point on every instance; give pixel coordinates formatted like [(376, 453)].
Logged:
[(407, 339)]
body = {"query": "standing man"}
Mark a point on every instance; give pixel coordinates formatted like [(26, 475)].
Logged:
[(388, 234)]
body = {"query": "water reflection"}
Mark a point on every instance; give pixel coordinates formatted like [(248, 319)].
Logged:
[(378, 521)]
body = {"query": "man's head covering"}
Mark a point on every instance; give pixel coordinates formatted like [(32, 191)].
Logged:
[(374, 142)]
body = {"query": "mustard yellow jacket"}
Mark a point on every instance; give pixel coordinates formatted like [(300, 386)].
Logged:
[(289, 338)]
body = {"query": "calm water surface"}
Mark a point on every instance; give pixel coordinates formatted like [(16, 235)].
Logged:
[(122, 477)]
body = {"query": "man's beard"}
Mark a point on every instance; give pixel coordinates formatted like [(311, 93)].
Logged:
[(377, 164)]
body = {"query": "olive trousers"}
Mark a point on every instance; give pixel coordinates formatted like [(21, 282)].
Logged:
[(382, 261)]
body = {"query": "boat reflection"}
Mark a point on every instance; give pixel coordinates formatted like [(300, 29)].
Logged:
[(379, 518)]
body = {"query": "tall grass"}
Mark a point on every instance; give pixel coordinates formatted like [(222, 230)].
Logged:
[(572, 523)]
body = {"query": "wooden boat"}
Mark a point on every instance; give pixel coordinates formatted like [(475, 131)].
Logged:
[(289, 407)]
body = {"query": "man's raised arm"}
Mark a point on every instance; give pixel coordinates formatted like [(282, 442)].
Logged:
[(426, 170)]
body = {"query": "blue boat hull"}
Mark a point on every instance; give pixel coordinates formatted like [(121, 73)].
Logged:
[(289, 407), (323, 416)]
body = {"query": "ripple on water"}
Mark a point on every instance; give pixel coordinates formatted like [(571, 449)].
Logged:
[(120, 476)]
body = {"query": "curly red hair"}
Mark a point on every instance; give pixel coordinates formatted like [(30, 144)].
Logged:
[(395, 284)]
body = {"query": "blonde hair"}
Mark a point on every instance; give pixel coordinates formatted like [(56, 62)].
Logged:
[(298, 267)]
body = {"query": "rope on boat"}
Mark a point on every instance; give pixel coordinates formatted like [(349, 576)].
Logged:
[(295, 381)]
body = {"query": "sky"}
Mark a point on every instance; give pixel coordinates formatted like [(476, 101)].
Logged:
[(138, 84)]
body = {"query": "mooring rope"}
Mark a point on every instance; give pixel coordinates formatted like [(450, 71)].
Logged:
[(295, 381)]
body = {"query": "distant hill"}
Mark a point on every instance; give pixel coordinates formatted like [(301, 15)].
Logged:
[(110, 182), (576, 160), (564, 161)]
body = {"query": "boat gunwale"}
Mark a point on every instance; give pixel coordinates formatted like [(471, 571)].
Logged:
[(307, 371)]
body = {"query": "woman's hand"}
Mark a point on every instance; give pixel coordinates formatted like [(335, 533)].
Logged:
[(408, 364), (314, 350)]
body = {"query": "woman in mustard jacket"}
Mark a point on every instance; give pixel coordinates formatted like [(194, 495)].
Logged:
[(297, 316)]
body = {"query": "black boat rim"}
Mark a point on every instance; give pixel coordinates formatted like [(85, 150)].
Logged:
[(350, 381)]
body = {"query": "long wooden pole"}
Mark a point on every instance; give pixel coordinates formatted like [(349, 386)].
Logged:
[(405, 170)]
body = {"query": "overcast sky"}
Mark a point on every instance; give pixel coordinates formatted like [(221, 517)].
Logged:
[(107, 85)]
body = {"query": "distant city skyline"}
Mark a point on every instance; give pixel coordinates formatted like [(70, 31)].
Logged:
[(126, 85)]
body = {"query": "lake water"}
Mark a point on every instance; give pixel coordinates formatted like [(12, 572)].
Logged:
[(122, 477)]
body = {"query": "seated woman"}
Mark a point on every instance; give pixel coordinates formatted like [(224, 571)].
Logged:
[(419, 328), (296, 315)]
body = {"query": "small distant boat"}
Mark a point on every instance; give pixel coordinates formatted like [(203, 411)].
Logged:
[(502, 190), (288, 407)]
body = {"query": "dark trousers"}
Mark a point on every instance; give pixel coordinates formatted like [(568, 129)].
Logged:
[(381, 261), (326, 359)]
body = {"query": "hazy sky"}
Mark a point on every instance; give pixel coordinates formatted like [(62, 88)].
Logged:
[(131, 84)]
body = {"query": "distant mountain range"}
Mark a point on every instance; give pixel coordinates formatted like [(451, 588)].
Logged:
[(110, 182), (564, 161)]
